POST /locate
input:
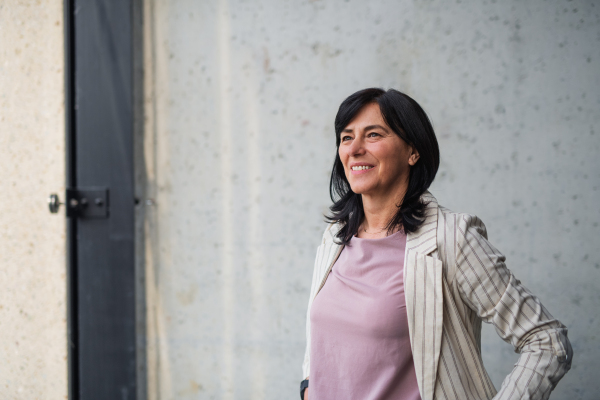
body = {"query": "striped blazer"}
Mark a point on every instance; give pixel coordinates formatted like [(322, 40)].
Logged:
[(453, 279)]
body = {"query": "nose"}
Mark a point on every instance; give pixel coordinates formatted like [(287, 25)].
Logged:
[(357, 147)]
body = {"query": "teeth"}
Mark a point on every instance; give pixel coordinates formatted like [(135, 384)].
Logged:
[(360, 168)]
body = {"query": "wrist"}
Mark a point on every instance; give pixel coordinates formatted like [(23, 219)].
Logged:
[(303, 387)]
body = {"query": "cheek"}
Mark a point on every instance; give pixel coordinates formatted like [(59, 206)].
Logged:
[(343, 160), (343, 156), (392, 162)]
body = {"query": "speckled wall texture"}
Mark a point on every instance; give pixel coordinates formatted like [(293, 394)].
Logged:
[(240, 100), (33, 345)]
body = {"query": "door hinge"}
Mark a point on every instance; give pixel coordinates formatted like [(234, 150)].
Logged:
[(87, 202)]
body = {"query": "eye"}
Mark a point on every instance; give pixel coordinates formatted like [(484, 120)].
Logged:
[(373, 134), (345, 138)]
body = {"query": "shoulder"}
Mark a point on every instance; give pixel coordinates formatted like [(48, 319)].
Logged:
[(449, 221), (460, 222)]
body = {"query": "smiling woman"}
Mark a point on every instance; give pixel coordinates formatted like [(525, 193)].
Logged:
[(375, 159), (403, 284), (386, 132)]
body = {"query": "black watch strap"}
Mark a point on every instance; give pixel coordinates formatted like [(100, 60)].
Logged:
[(303, 386)]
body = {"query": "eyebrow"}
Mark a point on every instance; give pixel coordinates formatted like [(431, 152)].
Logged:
[(369, 128)]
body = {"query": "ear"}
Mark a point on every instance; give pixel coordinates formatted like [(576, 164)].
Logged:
[(414, 156)]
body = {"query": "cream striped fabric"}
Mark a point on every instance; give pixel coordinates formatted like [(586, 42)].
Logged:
[(453, 279)]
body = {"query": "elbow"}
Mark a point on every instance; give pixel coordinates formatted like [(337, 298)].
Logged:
[(566, 356), (561, 346), (554, 340)]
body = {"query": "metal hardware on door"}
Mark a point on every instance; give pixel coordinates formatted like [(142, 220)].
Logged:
[(82, 203), (54, 203)]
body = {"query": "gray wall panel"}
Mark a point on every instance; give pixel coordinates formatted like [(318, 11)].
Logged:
[(240, 101)]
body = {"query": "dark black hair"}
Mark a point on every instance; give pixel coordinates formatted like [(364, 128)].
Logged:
[(408, 120)]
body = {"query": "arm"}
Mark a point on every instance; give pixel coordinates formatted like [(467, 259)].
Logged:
[(325, 255), (492, 291), (304, 395), (321, 250), (313, 288), (306, 363)]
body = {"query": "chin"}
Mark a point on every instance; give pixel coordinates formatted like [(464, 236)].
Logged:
[(360, 189)]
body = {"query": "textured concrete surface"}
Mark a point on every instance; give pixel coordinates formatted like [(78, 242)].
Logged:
[(33, 345), (240, 100)]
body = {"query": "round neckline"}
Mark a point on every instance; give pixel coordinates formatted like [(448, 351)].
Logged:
[(399, 233)]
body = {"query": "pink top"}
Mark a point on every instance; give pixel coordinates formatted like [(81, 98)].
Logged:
[(360, 347)]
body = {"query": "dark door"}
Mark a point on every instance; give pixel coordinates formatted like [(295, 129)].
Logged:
[(100, 201)]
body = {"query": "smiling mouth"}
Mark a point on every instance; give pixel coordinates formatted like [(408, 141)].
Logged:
[(361, 167)]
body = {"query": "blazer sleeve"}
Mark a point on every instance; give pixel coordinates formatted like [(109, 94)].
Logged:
[(490, 289), (313, 288), (325, 255)]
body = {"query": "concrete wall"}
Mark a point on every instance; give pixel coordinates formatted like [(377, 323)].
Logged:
[(240, 99), (33, 328)]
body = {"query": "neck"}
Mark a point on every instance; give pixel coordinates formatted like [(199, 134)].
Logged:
[(379, 211)]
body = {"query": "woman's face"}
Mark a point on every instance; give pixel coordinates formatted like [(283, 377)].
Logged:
[(376, 161)]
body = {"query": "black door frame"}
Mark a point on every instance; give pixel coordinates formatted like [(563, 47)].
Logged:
[(99, 133)]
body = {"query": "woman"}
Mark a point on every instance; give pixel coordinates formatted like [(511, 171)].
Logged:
[(401, 284)]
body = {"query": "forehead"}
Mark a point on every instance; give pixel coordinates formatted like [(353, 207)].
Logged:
[(367, 116)]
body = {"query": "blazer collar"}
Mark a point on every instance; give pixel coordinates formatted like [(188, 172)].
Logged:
[(424, 239)]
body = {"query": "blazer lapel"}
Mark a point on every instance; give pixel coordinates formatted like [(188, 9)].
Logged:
[(424, 298), (423, 292)]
